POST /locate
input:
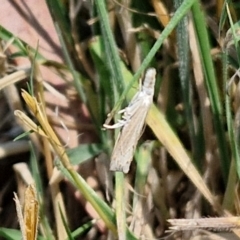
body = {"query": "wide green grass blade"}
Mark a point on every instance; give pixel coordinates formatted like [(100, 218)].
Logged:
[(10, 234), (211, 82), (110, 47), (184, 75)]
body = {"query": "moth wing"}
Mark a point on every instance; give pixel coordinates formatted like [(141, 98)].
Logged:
[(127, 140)]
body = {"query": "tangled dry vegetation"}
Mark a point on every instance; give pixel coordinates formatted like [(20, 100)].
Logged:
[(183, 183)]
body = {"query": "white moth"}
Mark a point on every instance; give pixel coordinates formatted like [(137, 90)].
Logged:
[(132, 123)]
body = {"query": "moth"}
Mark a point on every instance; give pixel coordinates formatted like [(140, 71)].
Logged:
[(132, 123)]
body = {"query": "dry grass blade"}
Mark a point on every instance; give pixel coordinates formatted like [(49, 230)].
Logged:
[(46, 129), (216, 224), (12, 148), (20, 216), (29, 123), (29, 218), (14, 78), (31, 208)]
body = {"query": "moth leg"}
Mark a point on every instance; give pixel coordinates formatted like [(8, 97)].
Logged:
[(126, 111), (122, 110), (116, 125), (119, 124), (110, 126)]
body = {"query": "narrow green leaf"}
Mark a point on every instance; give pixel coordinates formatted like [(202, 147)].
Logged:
[(110, 47), (65, 224), (211, 82), (10, 234), (84, 152)]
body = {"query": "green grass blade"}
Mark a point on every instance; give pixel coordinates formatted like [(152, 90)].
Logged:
[(65, 224), (120, 205), (84, 152), (81, 230), (18, 43), (59, 13), (184, 75), (105, 88), (112, 56), (212, 87), (10, 234)]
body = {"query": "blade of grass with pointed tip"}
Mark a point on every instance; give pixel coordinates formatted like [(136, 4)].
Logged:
[(20, 44), (23, 135)]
